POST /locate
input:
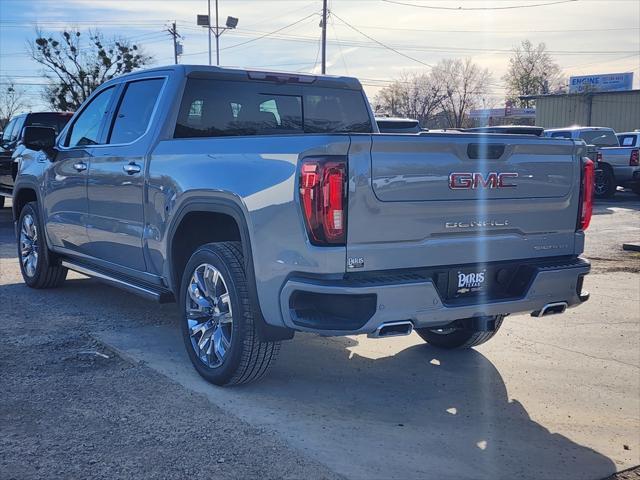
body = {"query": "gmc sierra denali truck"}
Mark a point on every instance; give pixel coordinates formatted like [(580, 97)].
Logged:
[(268, 203)]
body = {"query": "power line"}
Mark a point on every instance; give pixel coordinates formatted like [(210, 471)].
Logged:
[(382, 44), (458, 9), (270, 33)]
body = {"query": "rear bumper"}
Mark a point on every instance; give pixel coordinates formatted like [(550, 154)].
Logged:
[(626, 175), (355, 306)]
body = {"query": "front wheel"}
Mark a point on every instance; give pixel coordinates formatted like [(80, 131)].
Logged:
[(635, 188), (457, 337), (38, 267), (218, 324)]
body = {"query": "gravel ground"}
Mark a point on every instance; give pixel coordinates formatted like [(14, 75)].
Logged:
[(72, 408)]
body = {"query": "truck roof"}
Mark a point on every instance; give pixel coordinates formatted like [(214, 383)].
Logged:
[(575, 127), (252, 74)]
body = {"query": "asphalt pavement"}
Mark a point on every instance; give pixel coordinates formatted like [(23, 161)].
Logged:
[(96, 382)]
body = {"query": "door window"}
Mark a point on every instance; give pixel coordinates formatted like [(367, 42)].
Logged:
[(135, 110), (6, 134), (86, 129)]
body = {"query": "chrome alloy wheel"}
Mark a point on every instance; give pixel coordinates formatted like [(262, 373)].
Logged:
[(209, 315), (29, 245)]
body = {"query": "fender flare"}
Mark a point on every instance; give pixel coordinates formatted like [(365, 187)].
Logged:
[(226, 206)]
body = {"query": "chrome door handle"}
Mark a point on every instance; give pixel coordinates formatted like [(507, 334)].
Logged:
[(131, 168), (80, 166)]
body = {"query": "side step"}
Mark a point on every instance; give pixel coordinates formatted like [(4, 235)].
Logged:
[(146, 291)]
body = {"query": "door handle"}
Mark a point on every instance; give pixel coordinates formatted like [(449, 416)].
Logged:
[(131, 168), (80, 166)]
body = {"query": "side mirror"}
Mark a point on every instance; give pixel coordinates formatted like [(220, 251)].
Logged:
[(39, 138)]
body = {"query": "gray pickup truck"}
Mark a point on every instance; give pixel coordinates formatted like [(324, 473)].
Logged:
[(268, 203), (616, 164)]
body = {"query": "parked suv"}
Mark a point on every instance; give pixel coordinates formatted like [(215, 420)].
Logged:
[(11, 144), (264, 204)]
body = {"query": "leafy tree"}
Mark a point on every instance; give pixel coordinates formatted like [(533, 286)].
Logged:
[(413, 95), (532, 71), (75, 67), (464, 84), (12, 101)]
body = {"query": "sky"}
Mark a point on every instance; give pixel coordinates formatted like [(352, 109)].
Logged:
[(374, 40)]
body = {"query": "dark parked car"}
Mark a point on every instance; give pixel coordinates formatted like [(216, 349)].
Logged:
[(11, 144)]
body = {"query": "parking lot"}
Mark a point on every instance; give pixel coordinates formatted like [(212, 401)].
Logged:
[(96, 383)]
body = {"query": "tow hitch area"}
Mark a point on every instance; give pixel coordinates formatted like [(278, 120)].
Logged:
[(550, 309)]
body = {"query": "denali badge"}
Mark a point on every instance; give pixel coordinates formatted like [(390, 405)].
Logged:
[(472, 181), (355, 262), (469, 282), (477, 224)]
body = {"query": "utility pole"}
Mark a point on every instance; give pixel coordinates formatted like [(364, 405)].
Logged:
[(217, 37), (324, 36), (209, 29), (177, 50)]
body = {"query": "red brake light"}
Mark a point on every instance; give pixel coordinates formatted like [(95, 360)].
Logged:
[(634, 160), (323, 199), (586, 207)]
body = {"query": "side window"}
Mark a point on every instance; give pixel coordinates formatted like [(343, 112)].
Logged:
[(627, 140), (86, 128), (17, 128), (8, 128), (134, 112), (561, 135)]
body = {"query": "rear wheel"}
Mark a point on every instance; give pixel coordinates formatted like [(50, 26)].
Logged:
[(37, 264), (605, 185), (457, 337), (218, 324)]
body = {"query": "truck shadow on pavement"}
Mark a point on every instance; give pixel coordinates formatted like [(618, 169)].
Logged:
[(409, 411)]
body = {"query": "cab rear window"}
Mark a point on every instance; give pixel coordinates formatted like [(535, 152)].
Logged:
[(217, 108)]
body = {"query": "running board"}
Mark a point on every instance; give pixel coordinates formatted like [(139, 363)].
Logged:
[(160, 296)]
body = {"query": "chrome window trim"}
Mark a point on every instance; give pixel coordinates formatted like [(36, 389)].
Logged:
[(152, 118)]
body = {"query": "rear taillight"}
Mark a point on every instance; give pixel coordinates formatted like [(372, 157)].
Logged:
[(323, 199), (586, 194), (634, 160)]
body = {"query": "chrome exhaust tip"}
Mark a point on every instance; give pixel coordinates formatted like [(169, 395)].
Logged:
[(550, 309), (392, 329)]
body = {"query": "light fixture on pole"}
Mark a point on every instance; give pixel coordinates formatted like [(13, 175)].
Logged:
[(217, 30)]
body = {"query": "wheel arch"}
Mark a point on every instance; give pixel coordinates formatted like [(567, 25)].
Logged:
[(219, 208)]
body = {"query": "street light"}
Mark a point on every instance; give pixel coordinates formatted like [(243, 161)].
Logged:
[(205, 21)]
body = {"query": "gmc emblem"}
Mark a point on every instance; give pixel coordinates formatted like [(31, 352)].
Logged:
[(472, 181)]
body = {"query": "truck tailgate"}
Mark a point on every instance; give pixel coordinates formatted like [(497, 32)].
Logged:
[(404, 211)]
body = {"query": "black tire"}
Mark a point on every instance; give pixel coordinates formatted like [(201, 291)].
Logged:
[(48, 273), (635, 188), (451, 338), (605, 185), (2, 201), (247, 358)]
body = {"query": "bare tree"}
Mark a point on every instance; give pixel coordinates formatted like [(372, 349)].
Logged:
[(413, 95), (532, 71), (12, 100), (75, 67), (464, 84)]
